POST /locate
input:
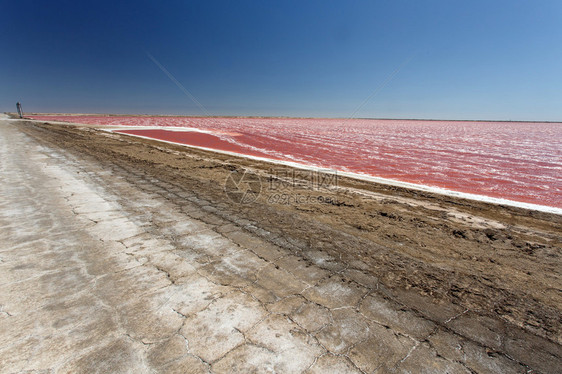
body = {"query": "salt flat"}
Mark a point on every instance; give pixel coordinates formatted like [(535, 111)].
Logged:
[(106, 268)]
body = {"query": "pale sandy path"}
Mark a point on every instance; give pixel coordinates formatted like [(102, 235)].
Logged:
[(111, 271)]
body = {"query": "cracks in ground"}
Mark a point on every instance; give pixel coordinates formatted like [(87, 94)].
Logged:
[(2, 311), (160, 269), (188, 351), (136, 340), (310, 334), (196, 205), (456, 316)]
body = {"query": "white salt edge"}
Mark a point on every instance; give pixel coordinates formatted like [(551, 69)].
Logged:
[(391, 182)]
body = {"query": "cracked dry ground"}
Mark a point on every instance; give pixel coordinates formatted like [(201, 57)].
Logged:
[(125, 255)]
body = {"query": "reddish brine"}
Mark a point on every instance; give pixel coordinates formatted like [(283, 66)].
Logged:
[(518, 161)]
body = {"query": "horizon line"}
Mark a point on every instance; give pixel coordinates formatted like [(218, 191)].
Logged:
[(284, 117)]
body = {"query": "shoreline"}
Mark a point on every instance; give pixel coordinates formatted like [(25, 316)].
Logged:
[(358, 176), (288, 117), (362, 177)]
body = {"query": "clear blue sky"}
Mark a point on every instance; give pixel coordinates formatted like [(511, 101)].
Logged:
[(460, 59)]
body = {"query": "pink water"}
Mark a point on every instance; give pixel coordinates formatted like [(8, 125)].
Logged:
[(512, 160)]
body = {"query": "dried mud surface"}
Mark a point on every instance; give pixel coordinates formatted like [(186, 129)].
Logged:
[(498, 268)]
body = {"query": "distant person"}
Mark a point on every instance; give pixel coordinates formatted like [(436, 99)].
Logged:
[(20, 111)]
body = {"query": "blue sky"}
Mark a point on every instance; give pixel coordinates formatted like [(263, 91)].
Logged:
[(447, 59)]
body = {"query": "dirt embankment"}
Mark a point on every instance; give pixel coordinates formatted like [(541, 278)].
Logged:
[(494, 261)]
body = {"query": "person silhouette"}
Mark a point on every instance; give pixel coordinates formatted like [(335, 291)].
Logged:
[(20, 111)]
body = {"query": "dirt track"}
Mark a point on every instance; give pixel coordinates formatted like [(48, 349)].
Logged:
[(496, 269)]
